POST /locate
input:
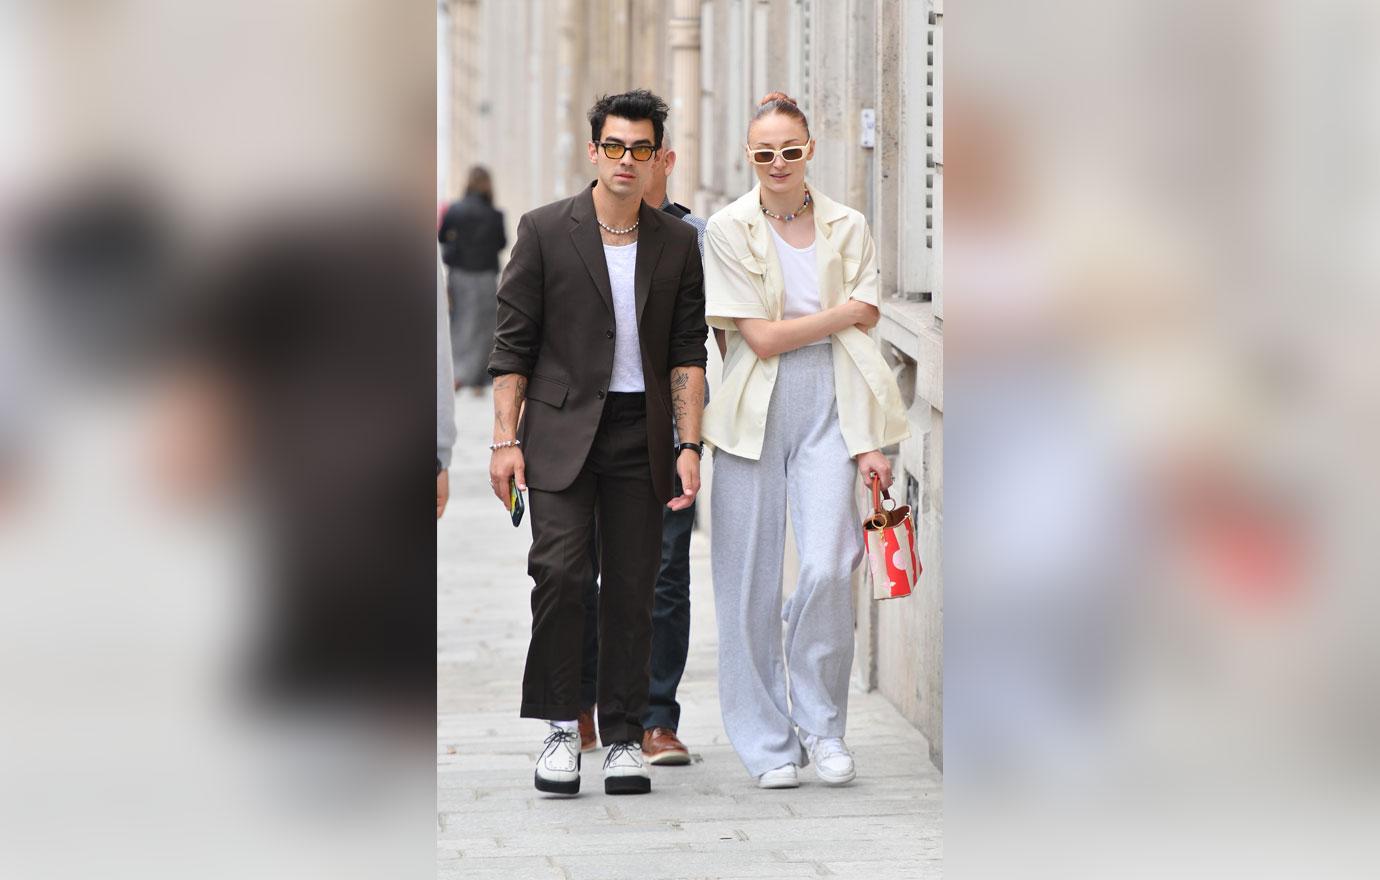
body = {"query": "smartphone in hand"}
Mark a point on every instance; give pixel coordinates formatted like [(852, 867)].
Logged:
[(516, 507)]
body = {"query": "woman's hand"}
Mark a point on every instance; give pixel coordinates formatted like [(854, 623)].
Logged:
[(874, 462), (863, 315)]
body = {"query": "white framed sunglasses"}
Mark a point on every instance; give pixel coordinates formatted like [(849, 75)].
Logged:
[(766, 156)]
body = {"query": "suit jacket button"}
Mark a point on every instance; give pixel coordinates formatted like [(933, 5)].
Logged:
[(608, 333), (599, 394)]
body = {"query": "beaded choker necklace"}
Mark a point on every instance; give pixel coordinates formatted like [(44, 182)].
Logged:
[(804, 206)]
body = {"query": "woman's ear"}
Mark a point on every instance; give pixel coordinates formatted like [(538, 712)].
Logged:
[(810, 152)]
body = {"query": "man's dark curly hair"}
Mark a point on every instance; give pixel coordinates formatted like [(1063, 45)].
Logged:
[(635, 105)]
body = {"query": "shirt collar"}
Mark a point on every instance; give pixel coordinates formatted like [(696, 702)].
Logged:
[(827, 211)]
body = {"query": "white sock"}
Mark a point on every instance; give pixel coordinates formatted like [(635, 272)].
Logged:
[(565, 725)]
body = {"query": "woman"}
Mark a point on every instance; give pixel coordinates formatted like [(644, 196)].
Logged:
[(472, 236), (806, 403)]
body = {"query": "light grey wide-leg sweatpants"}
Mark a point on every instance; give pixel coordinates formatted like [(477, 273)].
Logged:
[(805, 464)]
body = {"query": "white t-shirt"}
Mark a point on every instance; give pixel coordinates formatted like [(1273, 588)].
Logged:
[(801, 278), (627, 354)]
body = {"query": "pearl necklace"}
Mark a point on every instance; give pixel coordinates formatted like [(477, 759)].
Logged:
[(609, 229), (804, 206)]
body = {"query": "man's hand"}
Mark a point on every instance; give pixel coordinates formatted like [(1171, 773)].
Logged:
[(688, 467), (442, 492), (505, 466), (874, 462)]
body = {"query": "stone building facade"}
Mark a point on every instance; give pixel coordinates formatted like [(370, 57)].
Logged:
[(518, 75)]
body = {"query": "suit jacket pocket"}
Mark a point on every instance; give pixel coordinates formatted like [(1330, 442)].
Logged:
[(547, 391)]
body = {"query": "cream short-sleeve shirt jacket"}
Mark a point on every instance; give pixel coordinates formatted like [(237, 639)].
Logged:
[(742, 279)]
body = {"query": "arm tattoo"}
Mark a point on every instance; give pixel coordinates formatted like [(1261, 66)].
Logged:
[(687, 400), (680, 381), (510, 390)]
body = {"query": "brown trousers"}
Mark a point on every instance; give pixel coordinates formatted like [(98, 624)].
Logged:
[(614, 485)]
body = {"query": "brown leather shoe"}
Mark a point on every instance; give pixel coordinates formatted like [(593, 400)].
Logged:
[(589, 741), (660, 745)]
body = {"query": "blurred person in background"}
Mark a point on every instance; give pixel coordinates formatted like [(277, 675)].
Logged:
[(231, 284), (806, 406), (290, 362), (472, 236), (671, 609), (601, 335), (1028, 668)]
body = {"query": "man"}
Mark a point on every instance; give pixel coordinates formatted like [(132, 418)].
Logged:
[(656, 192), (601, 332), (671, 608)]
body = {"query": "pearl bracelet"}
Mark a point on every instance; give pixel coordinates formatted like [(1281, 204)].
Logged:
[(504, 444)]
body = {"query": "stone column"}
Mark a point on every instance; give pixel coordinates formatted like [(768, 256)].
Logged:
[(464, 101), (888, 107), (684, 36), (570, 100)]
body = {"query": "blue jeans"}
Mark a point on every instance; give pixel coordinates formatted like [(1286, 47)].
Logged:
[(670, 623)]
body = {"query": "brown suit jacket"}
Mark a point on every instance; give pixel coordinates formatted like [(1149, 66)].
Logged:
[(556, 326)]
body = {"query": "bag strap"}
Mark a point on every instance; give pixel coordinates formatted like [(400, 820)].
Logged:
[(878, 493)]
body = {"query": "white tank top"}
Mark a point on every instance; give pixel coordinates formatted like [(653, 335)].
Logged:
[(627, 356), (801, 277)]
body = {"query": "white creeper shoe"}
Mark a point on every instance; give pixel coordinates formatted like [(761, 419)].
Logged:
[(833, 762), (624, 770), (558, 765), (782, 777)]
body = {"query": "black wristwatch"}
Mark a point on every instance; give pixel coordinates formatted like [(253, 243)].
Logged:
[(697, 447)]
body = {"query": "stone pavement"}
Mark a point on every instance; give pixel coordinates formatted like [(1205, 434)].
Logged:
[(706, 820)]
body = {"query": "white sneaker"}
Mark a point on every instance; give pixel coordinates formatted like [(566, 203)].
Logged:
[(833, 762), (782, 777), (624, 770), (558, 765)]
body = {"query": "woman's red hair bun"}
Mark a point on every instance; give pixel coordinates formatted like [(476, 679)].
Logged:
[(777, 96)]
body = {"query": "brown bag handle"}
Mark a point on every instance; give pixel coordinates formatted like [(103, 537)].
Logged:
[(879, 518), (878, 493)]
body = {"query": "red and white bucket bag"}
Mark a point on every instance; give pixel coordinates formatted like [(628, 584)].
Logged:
[(889, 533)]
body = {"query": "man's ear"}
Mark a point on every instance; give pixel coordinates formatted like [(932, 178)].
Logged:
[(670, 160), (593, 153)]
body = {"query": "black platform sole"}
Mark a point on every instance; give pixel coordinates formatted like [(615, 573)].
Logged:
[(563, 788), (627, 785), (552, 787)]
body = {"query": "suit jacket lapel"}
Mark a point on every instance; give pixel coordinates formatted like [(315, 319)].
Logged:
[(649, 244), (589, 244)]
